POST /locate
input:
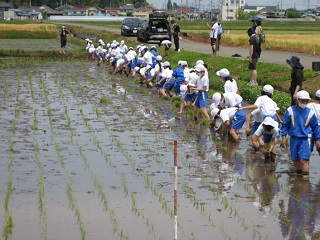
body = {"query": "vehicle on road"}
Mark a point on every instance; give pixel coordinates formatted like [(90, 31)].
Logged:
[(130, 26), (155, 28)]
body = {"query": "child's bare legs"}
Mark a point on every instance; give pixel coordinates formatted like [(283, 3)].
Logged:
[(301, 165), (205, 113), (234, 134)]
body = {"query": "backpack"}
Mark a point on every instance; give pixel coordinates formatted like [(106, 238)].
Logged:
[(262, 36), (220, 29)]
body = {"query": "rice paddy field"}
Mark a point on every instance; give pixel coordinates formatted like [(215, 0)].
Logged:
[(88, 155)]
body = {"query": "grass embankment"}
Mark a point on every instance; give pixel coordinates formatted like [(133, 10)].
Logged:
[(274, 74)]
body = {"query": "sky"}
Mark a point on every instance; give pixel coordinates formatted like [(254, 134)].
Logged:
[(205, 4)]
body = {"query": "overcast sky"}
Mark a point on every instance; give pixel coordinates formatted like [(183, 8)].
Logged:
[(205, 4)]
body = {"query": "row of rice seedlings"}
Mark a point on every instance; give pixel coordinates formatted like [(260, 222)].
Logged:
[(18, 85), (140, 213), (75, 78), (5, 88), (68, 121), (8, 225), (49, 112), (35, 120), (56, 82), (99, 186), (31, 86), (15, 121), (71, 89), (44, 88), (41, 192), (73, 205)]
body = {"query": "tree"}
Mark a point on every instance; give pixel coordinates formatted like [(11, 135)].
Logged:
[(292, 13), (241, 15), (169, 5), (175, 6)]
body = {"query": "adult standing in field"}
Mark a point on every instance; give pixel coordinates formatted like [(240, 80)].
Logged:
[(63, 39), (254, 55), (213, 33), (219, 35), (296, 77), (176, 34)]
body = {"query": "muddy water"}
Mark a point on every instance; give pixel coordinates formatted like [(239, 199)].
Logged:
[(88, 170)]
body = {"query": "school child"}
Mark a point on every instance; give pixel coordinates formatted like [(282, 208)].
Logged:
[(202, 87), (99, 52), (257, 120), (230, 84), (123, 48), (271, 127), (147, 57), (205, 65), (315, 106), (167, 45), (232, 120), (178, 78), (216, 97), (158, 68), (300, 122), (166, 75), (191, 95), (267, 107), (231, 99)]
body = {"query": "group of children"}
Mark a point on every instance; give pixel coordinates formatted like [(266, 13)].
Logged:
[(300, 121)]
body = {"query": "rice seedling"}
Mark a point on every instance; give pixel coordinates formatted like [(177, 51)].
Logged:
[(56, 82), (5, 88), (18, 85), (73, 205), (124, 184)]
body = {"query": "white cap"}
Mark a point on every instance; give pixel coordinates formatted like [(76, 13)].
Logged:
[(90, 41), (166, 64), (100, 40), (183, 89), (180, 62), (269, 121), (87, 39), (138, 46), (114, 41), (153, 47), (102, 44), (122, 42), (303, 95), (158, 58), (199, 62), (223, 73), (148, 67), (112, 45), (267, 89), (136, 69), (108, 44), (117, 43), (184, 63), (130, 48), (317, 94), (214, 112), (216, 98), (200, 68)]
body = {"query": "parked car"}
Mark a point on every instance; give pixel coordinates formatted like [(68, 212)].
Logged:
[(130, 26), (155, 28)]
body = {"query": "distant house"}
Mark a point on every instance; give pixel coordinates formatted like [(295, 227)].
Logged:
[(77, 11), (65, 8), (94, 11), (28, 13), (143, 12), (272, 12), (229, 9), (5, 6), (123, 10)]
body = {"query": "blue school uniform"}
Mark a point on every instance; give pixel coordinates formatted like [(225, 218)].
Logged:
[(300, 124), (178, 74)]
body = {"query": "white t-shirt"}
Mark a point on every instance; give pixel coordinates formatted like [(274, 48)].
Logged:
[(266, 106), (167, 73), (148, 57), (214, 30), (257, 116), (157, 68), (203, 82), (274, 131), (164, 42), (133, 53), (316, 109), (228, 114), (117, 53), (230, 86), (120, 62), (123, 48), (232, 99)]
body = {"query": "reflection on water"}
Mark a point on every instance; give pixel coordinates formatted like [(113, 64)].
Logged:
[(301, 221)]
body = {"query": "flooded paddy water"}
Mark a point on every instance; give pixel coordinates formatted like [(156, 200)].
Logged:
[(74, 168)]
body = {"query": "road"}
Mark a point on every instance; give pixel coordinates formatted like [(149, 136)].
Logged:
[(268, 56)]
